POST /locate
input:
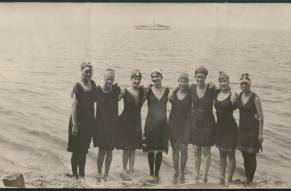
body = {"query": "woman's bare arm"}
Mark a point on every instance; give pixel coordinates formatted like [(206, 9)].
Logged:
[(74, 115), (122, 92), (145, 90), (260, 117)]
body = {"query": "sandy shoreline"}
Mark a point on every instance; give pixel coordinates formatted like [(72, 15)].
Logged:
[(48, 179)]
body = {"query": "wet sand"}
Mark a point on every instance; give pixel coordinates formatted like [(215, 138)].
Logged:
[(140, 178)]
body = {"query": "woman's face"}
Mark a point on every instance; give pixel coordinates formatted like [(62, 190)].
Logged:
[(109, 79), (223, 83), (183, 84), (156, 78), (245, 87), (87, 74), (200, 78), (135, 81)]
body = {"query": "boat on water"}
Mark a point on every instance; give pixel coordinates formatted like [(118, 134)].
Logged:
[(154, 26)]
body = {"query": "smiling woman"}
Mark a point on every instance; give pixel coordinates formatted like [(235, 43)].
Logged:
[(203, 131), (179, 119), (156, 127), (226, 132), (130, 129)]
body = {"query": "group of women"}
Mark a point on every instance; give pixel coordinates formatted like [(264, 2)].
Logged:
[(191, 121)]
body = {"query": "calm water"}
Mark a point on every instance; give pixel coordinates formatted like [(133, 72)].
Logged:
[(39, 64)]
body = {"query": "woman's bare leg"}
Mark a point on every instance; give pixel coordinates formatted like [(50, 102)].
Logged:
[(197, 159), (184, 158), (207, 158), (222, 164), (131, 160), (108, 159), (176, 158), (125, 157), (232, 165), (100, 160)]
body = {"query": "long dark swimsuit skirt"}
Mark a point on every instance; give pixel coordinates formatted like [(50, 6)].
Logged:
[(106, 124), (226, 132), (130, 130), (179, 118), (156, 131), (203, 128), (248, 130), (85, 119)]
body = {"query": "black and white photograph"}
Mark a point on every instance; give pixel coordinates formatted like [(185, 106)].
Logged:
[(145, 95)]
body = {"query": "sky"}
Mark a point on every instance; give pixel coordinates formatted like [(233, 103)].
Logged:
[(248, 16)]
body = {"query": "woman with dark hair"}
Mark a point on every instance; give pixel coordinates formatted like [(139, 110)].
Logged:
[(130, 130), (156, 127), (226, 132), (250, 131), (81, 120), (203, 130)]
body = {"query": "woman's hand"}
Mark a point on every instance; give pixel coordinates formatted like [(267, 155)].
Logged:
[(211, 85), (171, 93), (233, 97), (75, 130), (122, 91), (146, 90), (260, 138)]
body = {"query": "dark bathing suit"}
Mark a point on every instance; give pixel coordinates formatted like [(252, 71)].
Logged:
[(203, 130), (130, 130), (156, 126), (226, 132), (85, 119), (106, 124), (179, 118)]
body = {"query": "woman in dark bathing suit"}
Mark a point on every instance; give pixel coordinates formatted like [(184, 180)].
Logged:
[(130, 130), (226, 132), (156, 133), (250, 131), (202, 134), (81, 120), (178, 120), (105, 131)]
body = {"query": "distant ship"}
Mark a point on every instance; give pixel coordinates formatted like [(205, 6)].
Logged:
[(154, 26)]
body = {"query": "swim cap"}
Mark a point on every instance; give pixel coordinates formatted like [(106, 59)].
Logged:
[(183, 75), (85, 66), (201, 69), (157, 70), (245, 77)]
